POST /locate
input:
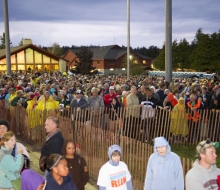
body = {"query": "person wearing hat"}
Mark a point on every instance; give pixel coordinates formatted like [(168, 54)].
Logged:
[(108, 97), (11, 95), (114, 174), (203, 175), (164, 168), (215, 105), (79, 102), (96, 102)]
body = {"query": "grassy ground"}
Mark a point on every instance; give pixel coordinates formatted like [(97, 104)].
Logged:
[(190, 152)]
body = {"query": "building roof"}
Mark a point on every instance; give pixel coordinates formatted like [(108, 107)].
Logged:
[(100, 52), (108, 52), (17, 49)]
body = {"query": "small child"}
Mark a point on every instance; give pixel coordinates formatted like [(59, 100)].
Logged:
[(114, 174)]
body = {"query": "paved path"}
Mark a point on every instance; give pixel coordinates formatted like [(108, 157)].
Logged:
[(34, 151)]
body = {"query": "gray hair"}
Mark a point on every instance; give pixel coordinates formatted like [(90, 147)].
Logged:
[(54, 119)]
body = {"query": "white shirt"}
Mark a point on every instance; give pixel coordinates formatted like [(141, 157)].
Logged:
[(114, 177)]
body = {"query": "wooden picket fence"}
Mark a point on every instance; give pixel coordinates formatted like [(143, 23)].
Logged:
[(92, 130)]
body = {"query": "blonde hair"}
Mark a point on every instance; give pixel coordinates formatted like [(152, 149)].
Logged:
[(6, 137)]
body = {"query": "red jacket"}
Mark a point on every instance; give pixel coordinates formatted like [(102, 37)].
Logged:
[(108, 98)]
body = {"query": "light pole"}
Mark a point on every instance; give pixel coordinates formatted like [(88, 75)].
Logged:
[(128, 39), (168, 41), (7, 38)]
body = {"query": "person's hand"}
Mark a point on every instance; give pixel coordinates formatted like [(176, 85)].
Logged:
[(41, 186), (78, 109), (141, 105), (19, 150), (18, 104), (193, 109)]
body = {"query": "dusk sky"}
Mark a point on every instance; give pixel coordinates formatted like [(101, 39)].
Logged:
[(104, 22)]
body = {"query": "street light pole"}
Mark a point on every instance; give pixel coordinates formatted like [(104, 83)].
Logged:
[(7, 38), (128, 39), (168, 41)]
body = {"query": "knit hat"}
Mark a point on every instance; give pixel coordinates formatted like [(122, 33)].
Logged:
[(5, 123), (113, 148)]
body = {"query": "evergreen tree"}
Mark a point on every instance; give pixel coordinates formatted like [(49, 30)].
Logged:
[(201, 54), (159, 62), (2, 39), (84, 65)]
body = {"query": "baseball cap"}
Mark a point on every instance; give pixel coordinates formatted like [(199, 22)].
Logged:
[(203, 145), (111, 88), (79, 92)]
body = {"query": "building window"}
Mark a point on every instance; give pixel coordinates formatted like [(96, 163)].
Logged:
[(21, 67), (37, 57), (54, 61), (29, 56), (3, 61), (135, 61), (123, 69), (13, 59), (111, 62), (144, 61), (20, 57), (46, 59), (13, 67), (2, 67), (111, 69), (98, 62)]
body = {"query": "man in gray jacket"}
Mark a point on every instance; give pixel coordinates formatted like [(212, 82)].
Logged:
[(203, 175)]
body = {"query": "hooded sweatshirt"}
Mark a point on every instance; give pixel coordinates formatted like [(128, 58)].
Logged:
[(68, 183), (114, 175), (164, 172), (201, 178)]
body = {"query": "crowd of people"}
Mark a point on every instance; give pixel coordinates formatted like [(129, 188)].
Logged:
[(143, 94), (64, 169)]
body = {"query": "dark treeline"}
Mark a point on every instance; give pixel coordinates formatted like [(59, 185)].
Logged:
[(203, 54)]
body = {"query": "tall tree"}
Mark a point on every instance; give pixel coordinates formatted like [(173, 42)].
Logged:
[(84, 65), (201, 54), (180, 54), (2, 39), (159, 61), (55, 49)]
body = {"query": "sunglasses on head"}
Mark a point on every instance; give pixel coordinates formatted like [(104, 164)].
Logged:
[(215, 144)]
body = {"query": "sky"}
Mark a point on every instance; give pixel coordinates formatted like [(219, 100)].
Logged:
[(104, 22)]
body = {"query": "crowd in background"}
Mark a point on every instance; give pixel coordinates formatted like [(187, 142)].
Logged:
[(55, 90)]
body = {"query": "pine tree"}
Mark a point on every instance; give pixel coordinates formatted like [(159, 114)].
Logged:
[(84, 65)]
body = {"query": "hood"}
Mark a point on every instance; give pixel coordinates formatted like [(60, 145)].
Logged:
[(30, 179), (112, 148), (161, 141)]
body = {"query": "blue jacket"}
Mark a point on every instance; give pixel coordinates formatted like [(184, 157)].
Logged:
[(68, 183), (10, 167), (164, 172)]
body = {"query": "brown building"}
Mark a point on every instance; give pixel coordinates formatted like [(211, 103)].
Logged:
[(31, 57), (109, 59)]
